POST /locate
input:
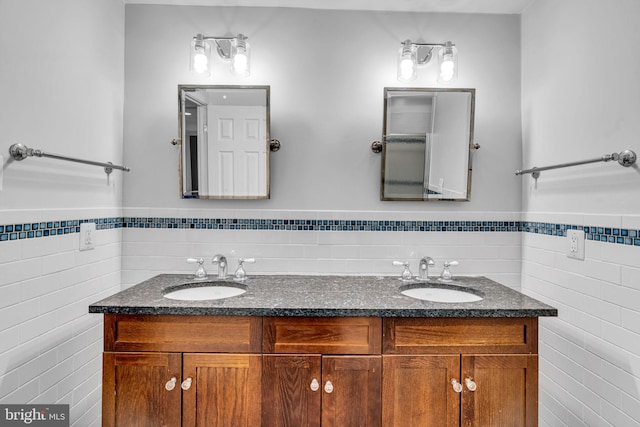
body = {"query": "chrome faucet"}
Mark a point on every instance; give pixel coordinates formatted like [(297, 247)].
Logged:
[(221, 260), (423, 271)]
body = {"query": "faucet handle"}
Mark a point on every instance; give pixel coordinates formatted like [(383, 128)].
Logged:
[(446, 275), (240, 273), (406, 273), (200, 274)]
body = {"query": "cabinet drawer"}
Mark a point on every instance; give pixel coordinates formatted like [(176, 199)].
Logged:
[(219, 334), (325, 335), (460, 335)]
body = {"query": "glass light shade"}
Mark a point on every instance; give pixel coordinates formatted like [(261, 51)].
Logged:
[(448, 64), (200, 57), (240, 57), (407, 62)]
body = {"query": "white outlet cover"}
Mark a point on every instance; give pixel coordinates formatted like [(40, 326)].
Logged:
[(575, 244), (1, 169), (87, 236)]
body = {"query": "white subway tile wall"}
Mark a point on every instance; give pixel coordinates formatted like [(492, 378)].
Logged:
[(590, 354), (50, 346), (363, 250), (590, 364)]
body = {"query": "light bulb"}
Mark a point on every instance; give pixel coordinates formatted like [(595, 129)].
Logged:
[(446, 78), (200, 63), (446, 70), (407, 62), (240, 63), (447, 66), (406, 68), (448, 60), (200, 53)]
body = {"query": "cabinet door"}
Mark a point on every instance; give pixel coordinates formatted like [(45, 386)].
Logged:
[(138, 390), (225, 390), (417, 391), (506, 391), (351, 391), (291, 391)]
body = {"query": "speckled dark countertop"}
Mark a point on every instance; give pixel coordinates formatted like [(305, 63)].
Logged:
[(323, 296)]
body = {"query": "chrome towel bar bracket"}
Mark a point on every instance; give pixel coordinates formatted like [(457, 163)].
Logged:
[(20, 152), (625, 158)]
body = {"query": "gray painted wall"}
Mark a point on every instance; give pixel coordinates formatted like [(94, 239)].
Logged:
[(327, 71)]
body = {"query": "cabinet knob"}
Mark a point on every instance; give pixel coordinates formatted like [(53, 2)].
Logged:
[(186, 384), (171, 384), (457, 387), (471, 385), (315, 385), (328, 387)]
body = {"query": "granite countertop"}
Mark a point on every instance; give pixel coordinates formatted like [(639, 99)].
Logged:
[(322, 296)]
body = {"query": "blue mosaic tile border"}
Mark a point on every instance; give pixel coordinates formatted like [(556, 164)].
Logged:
[(13, 232), (623, 236), (319, 225), (33, 230)]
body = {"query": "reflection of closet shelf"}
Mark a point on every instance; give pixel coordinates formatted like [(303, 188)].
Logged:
[(398, 183), (406, 139)]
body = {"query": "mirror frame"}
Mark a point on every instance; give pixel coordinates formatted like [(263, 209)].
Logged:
[(268, 141), (472, 145)]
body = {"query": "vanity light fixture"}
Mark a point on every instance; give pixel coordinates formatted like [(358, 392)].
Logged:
[(236, 50), (409, 57)]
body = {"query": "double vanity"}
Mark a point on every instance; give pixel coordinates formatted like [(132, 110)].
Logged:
[(311, 351), (320, 350)]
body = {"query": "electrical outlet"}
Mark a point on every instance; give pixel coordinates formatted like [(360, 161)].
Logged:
[(576, 244), (87, 236), (1, 169)]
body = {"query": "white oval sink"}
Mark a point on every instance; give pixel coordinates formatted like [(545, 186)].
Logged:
[(436, 294), (205, 292)]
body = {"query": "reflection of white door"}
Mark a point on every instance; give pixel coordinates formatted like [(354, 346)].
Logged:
[(237, 151)]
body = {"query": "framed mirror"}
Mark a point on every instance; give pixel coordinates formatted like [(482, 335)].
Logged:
[(427, 143), (225, 134)]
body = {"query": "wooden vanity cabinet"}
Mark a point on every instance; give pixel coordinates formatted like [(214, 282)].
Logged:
[(315, 390), (460, 372), (506, 392), (312, 372), (227, 390), (322, 372), (174, 389), (182, 371), (291, 390), (135, 389)]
